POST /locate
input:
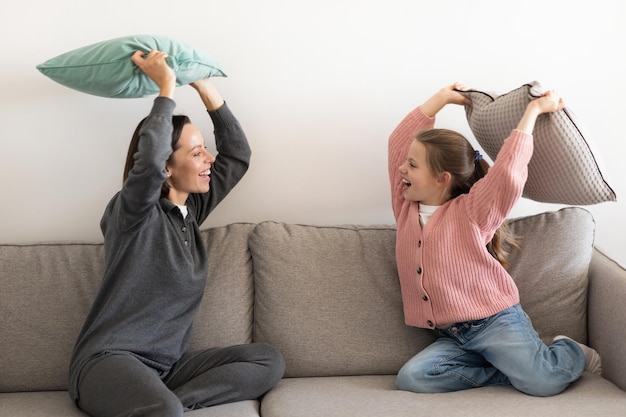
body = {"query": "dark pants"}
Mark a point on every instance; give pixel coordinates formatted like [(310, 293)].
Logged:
[(119, 385)]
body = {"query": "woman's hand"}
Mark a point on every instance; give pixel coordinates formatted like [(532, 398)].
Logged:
[(154, 65), (208, 93)]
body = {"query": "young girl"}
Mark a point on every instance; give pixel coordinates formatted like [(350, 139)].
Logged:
[(450, 211), (131, 356)]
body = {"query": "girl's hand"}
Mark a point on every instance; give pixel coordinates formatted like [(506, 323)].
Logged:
[(549, 102), (447, 95), (154, 65), (453, 96)]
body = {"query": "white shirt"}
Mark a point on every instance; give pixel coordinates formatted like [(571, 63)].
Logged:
[(183, 210), (426, 212)]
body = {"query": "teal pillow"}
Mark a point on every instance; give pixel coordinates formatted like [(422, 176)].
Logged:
[(105, 68)]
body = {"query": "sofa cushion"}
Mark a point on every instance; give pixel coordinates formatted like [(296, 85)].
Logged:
[(47, 290), (377, 395), (59, 404), (329, 299), (551, 269), (564, 169), (225, 315)]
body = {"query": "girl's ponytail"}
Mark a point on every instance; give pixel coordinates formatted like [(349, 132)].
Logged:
[(503, 241), (449, 151)]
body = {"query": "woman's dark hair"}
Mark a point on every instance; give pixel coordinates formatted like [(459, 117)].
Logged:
[(449, 151), (178, 122)]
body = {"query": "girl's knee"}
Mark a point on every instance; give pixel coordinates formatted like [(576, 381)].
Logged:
[(545, 381), (404, 382), (411, 378), (540, 387)]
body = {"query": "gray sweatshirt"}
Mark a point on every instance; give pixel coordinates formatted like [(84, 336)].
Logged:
[(155, 261)]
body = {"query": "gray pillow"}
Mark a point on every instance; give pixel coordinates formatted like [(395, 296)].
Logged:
[(563, 168)]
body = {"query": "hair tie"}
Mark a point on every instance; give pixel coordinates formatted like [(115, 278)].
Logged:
[(477, 157)]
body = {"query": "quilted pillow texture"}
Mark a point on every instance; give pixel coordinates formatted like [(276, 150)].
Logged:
[(563, 169), (105, 68)]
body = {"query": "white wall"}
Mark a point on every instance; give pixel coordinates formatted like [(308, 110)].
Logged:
[(318, 86)]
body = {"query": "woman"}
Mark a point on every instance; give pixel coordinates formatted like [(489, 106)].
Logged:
[(131, 356)]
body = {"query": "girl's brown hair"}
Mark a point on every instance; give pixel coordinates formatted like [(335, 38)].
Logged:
[(449, 151), (178, 122)]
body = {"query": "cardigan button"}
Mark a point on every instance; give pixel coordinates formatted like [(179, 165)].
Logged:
[(419, 270), (425, 297), (183, 229), (419, 243), (430, 323)]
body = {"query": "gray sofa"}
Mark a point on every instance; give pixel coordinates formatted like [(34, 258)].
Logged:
[(329, 299)]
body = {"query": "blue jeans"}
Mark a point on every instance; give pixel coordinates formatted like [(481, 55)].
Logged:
[(499, 350)]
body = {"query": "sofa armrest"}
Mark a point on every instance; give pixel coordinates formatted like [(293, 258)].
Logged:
[(607, 315)]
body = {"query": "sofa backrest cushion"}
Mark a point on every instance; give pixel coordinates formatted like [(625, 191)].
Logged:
[(329, 299), (226, 313), (46, 291), (551, 270)]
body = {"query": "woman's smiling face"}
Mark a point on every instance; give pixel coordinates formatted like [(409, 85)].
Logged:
[(189, 166)]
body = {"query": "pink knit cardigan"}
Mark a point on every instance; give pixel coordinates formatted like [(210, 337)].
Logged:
[(446, 273)]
